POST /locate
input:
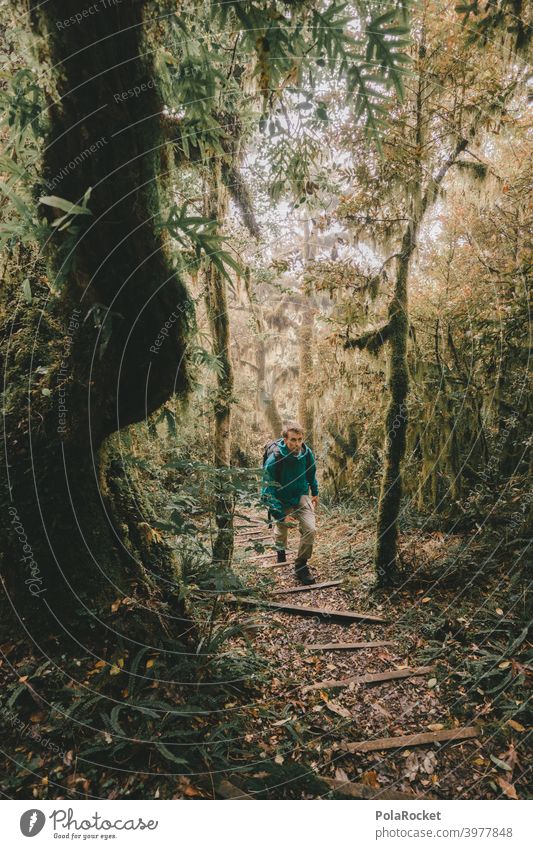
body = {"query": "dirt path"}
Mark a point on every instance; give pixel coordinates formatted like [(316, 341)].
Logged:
[(311, 726)]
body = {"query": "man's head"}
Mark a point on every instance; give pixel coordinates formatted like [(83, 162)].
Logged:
[(293, 434)]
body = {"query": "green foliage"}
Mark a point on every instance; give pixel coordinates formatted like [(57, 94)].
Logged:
[(200, 234)]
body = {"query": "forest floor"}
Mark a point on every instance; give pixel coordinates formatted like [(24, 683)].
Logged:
[(440, 619), (100, 720)]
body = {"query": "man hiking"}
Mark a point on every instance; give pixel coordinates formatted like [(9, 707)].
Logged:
[(289, 474)]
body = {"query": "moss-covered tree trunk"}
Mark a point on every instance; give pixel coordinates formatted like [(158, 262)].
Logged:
[(421, 195), (266, 399), (395, 421), (89, 358), (218, 315), (306, 333)]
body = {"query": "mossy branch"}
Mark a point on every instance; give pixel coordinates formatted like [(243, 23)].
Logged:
[(371, 341), (240, 194)]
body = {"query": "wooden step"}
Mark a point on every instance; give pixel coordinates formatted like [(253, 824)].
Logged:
[(307, 588), (409, 740), (346, 646), (372, 678), (227, 790), (363, 791), (324, 613)]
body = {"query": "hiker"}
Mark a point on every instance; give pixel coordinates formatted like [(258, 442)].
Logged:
[(289, 474)]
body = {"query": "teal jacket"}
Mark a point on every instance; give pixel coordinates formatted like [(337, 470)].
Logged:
[(294, 480)]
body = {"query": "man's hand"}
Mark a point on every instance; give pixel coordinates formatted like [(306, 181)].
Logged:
[(314, 500), (289, 524)]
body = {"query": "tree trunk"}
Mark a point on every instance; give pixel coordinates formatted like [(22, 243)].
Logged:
[(395, 422), (306, 401), (218, 315), (98, 334), (420, 201), (266, 400)]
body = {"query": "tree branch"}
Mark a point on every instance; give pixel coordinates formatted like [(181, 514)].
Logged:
[(370, 341)]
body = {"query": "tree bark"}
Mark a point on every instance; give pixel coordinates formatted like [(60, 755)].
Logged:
[(98, 333), (218, 315), (396, 419), (306, 401)]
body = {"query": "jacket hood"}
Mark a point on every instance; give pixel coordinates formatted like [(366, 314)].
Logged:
[(285, 451)]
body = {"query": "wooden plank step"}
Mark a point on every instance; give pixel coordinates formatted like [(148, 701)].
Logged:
[(408, 740), (227, 790), (323, 612), (254, 532), (363, 791), (347, 646), (372, 678), (305, 589)]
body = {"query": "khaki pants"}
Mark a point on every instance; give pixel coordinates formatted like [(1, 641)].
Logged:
[(305, 515)]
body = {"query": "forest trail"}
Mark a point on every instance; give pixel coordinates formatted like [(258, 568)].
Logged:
[(327, 677)]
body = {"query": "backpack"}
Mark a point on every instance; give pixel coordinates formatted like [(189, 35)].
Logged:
[(273, 447)]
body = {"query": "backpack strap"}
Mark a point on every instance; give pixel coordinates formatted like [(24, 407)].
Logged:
[(278, 459)]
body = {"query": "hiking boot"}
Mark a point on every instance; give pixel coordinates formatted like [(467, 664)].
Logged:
[(282, 557), (302, 572)]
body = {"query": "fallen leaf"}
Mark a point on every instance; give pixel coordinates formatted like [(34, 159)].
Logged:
[(432, 683), (508, 789), (370, 778), (516, 725), (338, 709), (435, 726), (499, 763)]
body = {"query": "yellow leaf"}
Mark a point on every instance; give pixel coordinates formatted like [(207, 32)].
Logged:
[(432, 683), (499, 611), (150, 663), (516, 725), (114, 670), (504, 664), (436, 726), (425, 600), (279, 759)]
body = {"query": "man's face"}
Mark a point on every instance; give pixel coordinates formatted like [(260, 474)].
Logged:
[(294, 441)]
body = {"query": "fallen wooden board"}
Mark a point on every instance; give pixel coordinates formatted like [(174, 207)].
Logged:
[(228, 791), (408, 740), (254, 532), (306, 588), (325, 613), (347, 646), (372, 678), (363, 791)]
